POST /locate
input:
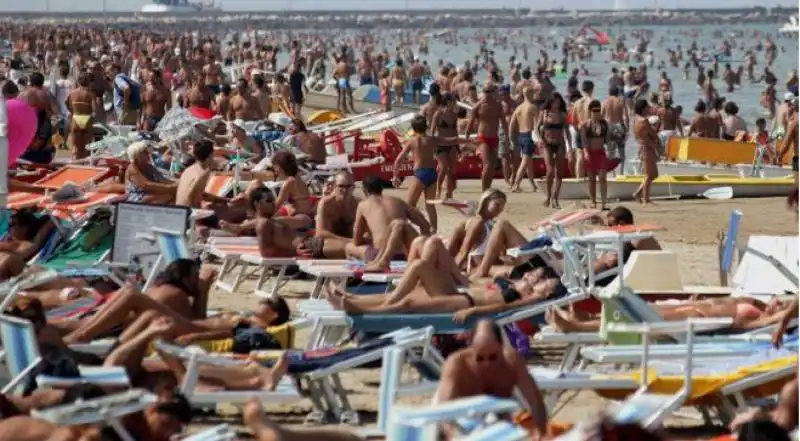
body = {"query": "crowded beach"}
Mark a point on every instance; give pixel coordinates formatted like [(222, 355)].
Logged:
[(207, 235)]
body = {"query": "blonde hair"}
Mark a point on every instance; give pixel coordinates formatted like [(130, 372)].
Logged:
[(136, 148), (487, 196)]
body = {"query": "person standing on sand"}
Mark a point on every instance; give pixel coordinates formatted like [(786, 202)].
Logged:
[(648, 141), (790, 142), (341, 74), (489, 367), (615, 112), (522, 125), (489, 115)]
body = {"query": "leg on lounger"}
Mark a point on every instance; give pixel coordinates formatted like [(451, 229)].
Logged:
[(503, 237)]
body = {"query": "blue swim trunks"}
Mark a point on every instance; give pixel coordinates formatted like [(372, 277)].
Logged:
[(526, 145), (426, 175), (344, 83)]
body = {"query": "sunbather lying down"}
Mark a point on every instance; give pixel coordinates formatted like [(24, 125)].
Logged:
[(431, 284), (169, 369), (747, 313), (266, 430)]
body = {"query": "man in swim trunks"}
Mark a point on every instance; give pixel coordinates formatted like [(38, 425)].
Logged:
[(489, 114), (615, 112), (156, 99), (201, 96), (192, 183), (522, 124), (387, 221), (791, 143), (415, 72), (275, 239), (490, 367), (308, 142), (336, 214), (213, 74), (342, 73)]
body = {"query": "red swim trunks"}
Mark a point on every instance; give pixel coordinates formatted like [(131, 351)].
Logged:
[(493, 142), (595, 160)]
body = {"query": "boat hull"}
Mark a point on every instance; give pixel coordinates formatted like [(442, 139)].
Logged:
[(623, 187), (713, 151), (682, 168)]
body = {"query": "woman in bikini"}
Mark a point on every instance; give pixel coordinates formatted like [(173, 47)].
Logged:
[(445, 124), (595, 132), (385, 86), (26, 236), (422, 147), (747, 313), (474, 234), (80, 103), (553, 131), (648, 151), (294, 193), (431, 284)]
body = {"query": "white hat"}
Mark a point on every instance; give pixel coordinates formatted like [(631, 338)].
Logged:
[(788, 96)]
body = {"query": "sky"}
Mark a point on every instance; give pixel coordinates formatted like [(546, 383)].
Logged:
[(276, 5)]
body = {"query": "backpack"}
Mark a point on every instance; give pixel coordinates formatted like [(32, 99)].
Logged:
[(136, 93)]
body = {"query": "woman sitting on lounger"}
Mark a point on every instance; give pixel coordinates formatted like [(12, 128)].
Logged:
[(474, 234), (180, 290), (747, 314), (27, 233), (143, 182), (294, 194), (424, 289)]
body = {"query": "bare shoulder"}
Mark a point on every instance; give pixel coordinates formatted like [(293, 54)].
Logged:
[(455, 362)]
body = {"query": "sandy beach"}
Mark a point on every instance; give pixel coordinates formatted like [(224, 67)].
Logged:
[(691, 229)]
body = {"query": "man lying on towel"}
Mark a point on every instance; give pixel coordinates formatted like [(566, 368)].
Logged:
[(387, 220), (489, 367)]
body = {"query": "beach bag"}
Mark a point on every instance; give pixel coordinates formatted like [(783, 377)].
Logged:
[(247, 339), (57, 362)]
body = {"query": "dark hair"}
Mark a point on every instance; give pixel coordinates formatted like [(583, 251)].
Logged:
[(29, 220), (299, 125), (84, 79), (762, 430), (36, 79), (640, 107), (587, 86), (419, 124), (203, 150), (718, 103), (178, 406), (555, 97), (435, 92), (30, 309), (286, 161), (63, 70), (468, 76), (259, 82), (574, 96), (259, 195), (225, 89), (10, 89), (731, 108), (613, 90), (175, 272), (372, 185), (700, 107), (281, 308), (622, 215), (526, 73), (82, 392), (761, 121), (594, 105)]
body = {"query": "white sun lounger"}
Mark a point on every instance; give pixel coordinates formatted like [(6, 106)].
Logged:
[(239, 255), (104, 410), (21, 355)]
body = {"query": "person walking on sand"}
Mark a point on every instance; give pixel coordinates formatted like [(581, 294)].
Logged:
[(648, 141), (522, 125), (489, 115), (422, 148)]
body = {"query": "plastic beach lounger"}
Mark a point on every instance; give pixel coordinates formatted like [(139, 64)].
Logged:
[(76, 174), (18, 200)]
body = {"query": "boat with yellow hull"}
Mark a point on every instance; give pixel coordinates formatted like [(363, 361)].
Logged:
[(683, 186), (714, 151)]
